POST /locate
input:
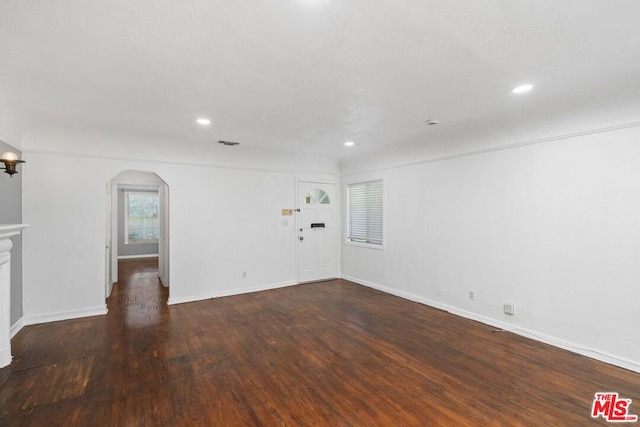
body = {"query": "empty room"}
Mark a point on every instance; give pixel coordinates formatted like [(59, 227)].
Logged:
[(319, 212)]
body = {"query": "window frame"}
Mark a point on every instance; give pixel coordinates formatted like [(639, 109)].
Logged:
[(347, 239)]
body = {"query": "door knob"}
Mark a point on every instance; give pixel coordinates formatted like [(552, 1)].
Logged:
[(301, 238)]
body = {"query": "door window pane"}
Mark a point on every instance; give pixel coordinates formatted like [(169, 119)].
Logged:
[(315, 196)]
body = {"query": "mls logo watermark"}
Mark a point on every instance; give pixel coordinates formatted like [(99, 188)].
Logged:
[(612, 408)]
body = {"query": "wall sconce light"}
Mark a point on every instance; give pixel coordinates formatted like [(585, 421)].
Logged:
[(10, 161)]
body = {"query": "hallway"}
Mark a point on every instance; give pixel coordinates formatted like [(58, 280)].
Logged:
[(138, 298)]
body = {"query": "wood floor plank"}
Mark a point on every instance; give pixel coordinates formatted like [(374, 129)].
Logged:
[(45, 385), (322, 354)]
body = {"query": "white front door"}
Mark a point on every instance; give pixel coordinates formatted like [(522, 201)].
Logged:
[(317, 232)]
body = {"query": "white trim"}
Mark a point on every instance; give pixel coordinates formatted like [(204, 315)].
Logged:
[(65, 315), (132, 187), (138, 256), (231, 292), (507, 327), (17, 327), (8, 230), (492, 149), (179, 163), (364, 244)]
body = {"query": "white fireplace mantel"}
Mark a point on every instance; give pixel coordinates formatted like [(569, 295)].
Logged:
[(6, 231)]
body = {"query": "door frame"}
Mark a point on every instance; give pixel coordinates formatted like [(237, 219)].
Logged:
[(337, 221), (121, 181)]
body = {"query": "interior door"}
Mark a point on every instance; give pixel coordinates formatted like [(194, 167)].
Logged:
[(317, 234)]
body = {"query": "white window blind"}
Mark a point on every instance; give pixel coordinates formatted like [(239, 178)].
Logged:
[(365, 212)]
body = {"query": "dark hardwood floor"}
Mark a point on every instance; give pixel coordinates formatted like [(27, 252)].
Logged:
[(324, 354)]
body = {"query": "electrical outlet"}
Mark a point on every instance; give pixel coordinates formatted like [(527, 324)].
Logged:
[(472, 295), (510, 309)]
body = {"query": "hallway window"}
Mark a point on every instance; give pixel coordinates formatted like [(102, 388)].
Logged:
[(141, 218)]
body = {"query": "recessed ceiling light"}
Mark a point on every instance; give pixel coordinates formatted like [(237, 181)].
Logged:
[(522, 88), (349, 144), (203, 121)]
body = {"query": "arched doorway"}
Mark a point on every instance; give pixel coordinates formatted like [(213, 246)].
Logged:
[(135, 182)]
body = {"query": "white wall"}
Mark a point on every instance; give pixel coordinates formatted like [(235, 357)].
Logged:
[(223, 220), (553, 228), (550, 227)]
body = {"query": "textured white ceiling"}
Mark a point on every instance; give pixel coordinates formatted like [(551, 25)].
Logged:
[(307, 75)]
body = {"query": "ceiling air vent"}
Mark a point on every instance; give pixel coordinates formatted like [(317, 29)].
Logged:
[(228, 143)]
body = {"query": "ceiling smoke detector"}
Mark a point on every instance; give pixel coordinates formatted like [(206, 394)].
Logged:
[(228, 143), (432, 122)]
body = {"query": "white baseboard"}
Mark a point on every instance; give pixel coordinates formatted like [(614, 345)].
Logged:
[(219, 294), (16, 327), (138, 256), (534, 335), (65, 315)]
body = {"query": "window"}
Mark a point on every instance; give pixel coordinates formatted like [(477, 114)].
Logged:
[(141, 218), (316, 196), (364, 216)]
